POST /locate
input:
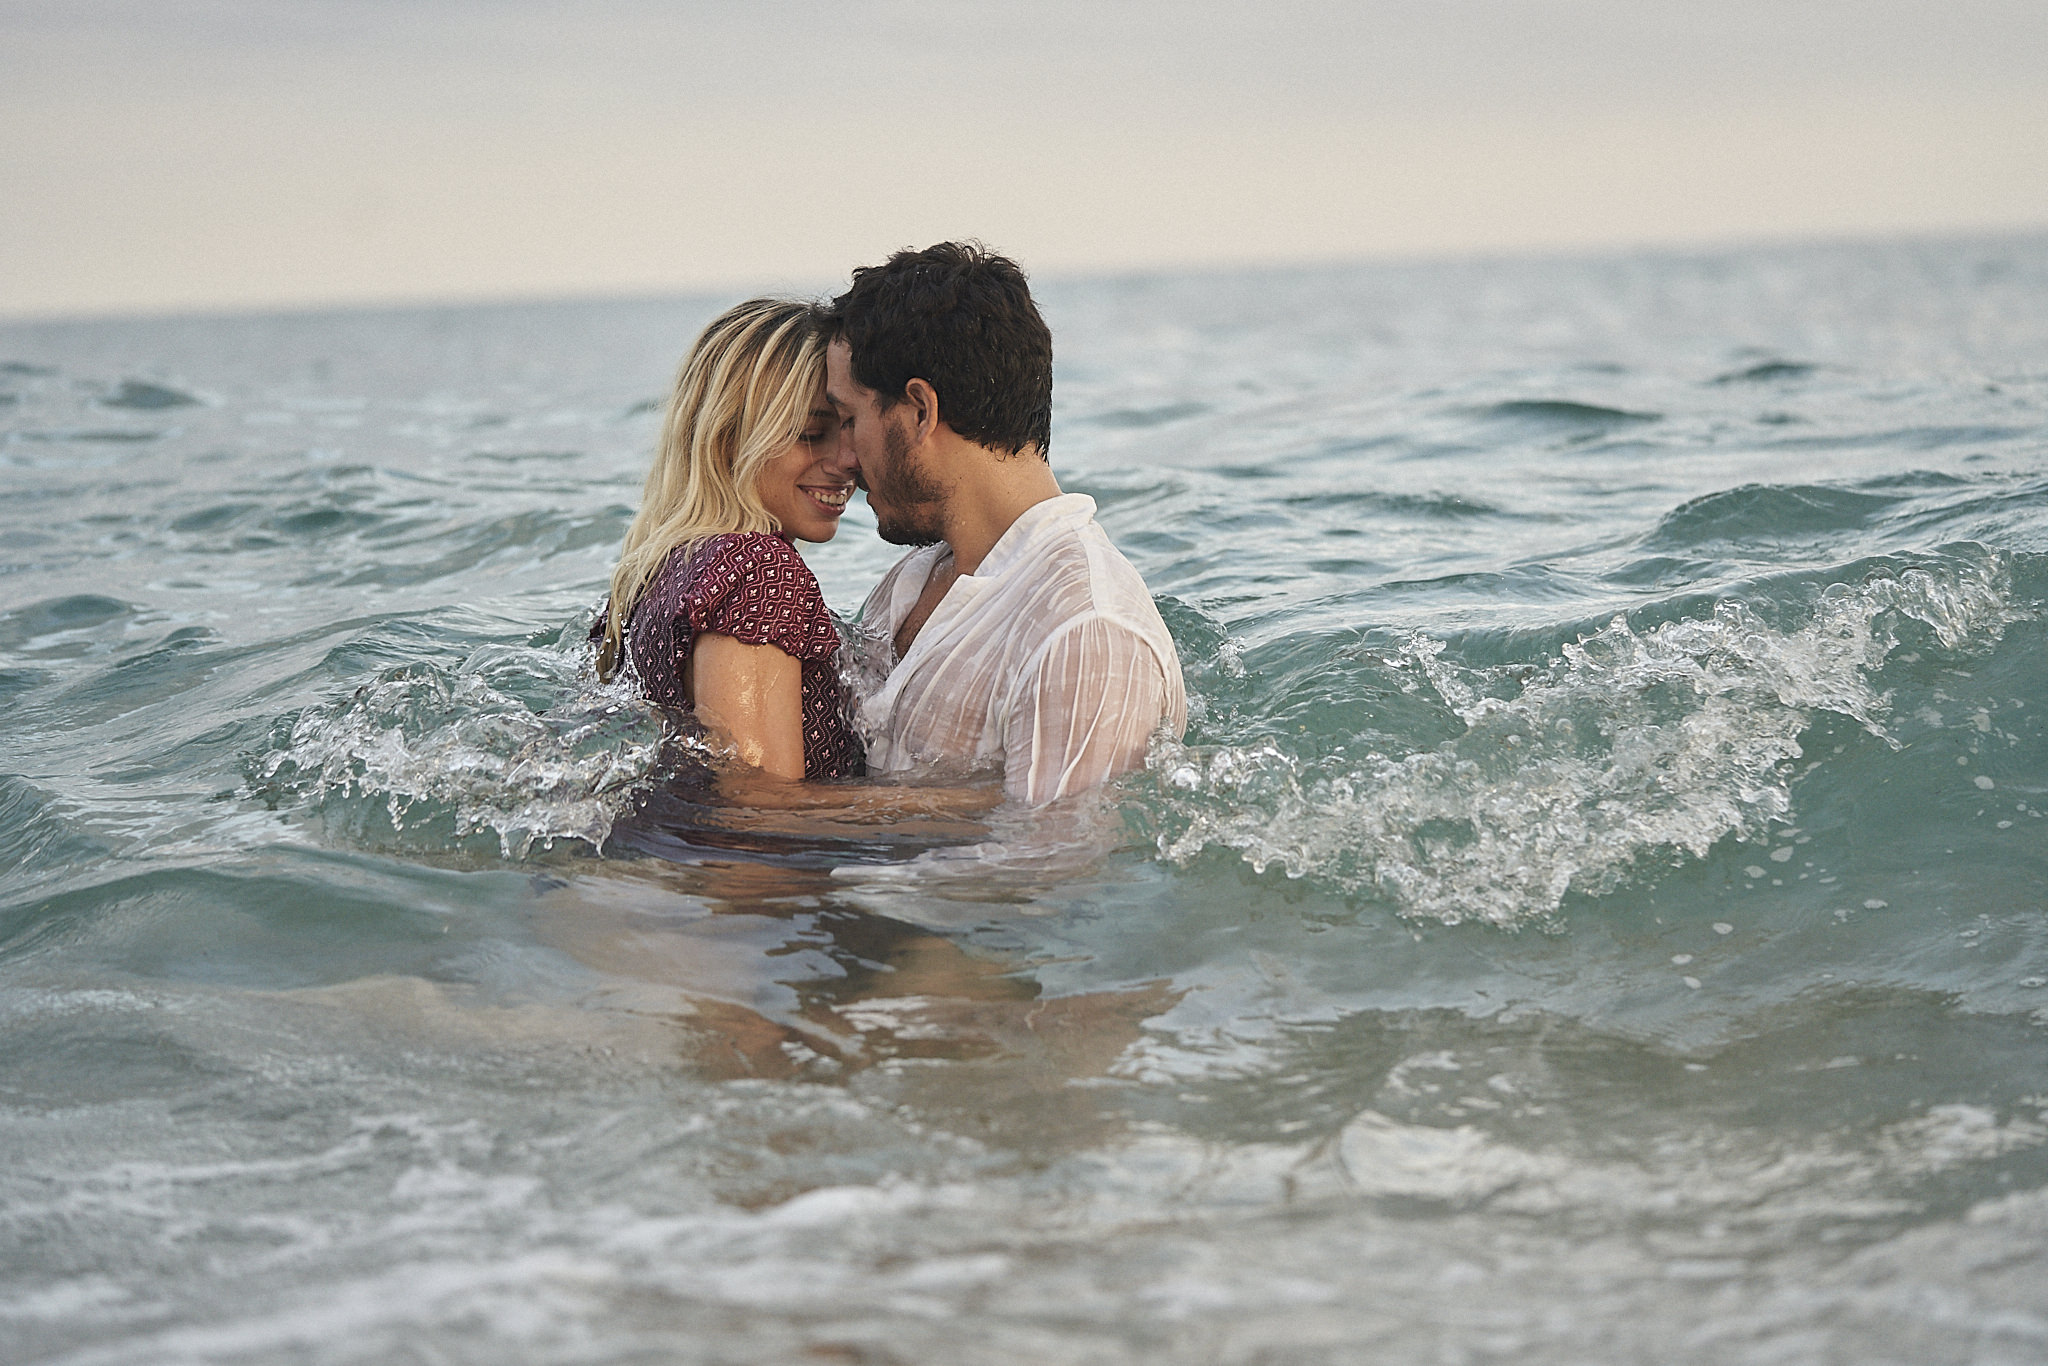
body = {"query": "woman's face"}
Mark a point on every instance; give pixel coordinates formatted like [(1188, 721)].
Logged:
[(806, 487)]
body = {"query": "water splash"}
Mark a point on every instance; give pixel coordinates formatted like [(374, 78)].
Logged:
[(1627, 746), (428, 744)]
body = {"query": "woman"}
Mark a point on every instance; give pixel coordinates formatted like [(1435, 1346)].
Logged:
[(711, 602)]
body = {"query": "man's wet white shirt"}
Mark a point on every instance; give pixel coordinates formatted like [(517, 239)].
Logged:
[(1049, 659)]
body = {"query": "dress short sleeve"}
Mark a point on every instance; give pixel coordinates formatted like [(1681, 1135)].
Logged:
[(755, 588)]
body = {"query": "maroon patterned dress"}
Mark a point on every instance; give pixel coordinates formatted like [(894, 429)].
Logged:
[(754, 587)]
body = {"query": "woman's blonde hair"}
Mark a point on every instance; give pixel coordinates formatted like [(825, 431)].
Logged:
[(743, 395)]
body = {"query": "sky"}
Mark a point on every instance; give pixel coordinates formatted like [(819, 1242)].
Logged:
[(220, 155)]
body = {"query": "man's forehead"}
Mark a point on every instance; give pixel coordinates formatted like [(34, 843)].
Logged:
[(840, 385)]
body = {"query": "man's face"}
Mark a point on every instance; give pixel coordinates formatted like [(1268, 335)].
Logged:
[(908, 500)]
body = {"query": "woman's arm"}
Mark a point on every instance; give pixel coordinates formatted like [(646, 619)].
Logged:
[(753, 696)]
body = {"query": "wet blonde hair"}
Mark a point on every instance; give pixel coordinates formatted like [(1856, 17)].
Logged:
[(743, 395)]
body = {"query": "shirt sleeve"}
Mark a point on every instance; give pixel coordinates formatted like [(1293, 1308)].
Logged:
[(759, 591), (1085, 714)]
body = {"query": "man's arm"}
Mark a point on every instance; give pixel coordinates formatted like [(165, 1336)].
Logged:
[(1084, 714)]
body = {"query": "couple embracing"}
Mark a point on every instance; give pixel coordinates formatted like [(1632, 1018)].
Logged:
[(1013, 636)]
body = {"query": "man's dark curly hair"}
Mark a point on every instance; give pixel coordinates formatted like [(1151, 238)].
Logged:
[(960, 318)]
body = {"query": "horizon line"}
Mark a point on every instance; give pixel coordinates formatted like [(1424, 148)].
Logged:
[(372, 303)]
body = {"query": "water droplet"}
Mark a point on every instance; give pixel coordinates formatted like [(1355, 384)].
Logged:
[(1875, 905), (1723, 927), (1692, 982), (1681, 959), (1984, 782)]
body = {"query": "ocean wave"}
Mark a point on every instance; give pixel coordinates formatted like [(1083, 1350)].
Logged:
[(1627, 745), (135, 393), (1771, 513), (471, 746), (1765, 371)]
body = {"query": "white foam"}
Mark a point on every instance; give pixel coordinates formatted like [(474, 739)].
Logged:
[(1629, 745), (429, 742)]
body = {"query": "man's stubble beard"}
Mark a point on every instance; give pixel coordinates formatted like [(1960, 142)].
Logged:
[(910, 500)]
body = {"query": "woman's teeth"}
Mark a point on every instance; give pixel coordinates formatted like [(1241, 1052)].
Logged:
[(831, 497)]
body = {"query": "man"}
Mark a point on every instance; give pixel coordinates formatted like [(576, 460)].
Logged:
[(1016, 633)]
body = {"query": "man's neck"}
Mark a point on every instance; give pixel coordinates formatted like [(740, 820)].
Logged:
[(990, 492)]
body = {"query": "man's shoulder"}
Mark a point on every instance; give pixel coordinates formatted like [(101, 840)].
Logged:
[(1079, 560), (1077, 577)]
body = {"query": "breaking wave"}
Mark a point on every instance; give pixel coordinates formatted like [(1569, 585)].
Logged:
[(519, 741), (1628, 745)]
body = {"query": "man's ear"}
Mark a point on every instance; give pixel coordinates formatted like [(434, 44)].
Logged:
[(924, 407)]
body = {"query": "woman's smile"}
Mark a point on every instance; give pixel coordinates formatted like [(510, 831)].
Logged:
[(806, 488)]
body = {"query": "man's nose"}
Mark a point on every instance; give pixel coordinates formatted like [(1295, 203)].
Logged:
[(843, 457)]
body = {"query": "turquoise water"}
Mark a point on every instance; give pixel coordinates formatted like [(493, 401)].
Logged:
[(1599, 910)]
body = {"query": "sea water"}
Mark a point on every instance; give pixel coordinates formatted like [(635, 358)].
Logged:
[(1598, 910)]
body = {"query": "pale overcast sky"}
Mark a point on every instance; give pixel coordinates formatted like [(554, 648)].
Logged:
[(209, 154)]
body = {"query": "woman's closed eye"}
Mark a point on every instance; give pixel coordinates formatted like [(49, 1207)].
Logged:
[(823, 426)]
